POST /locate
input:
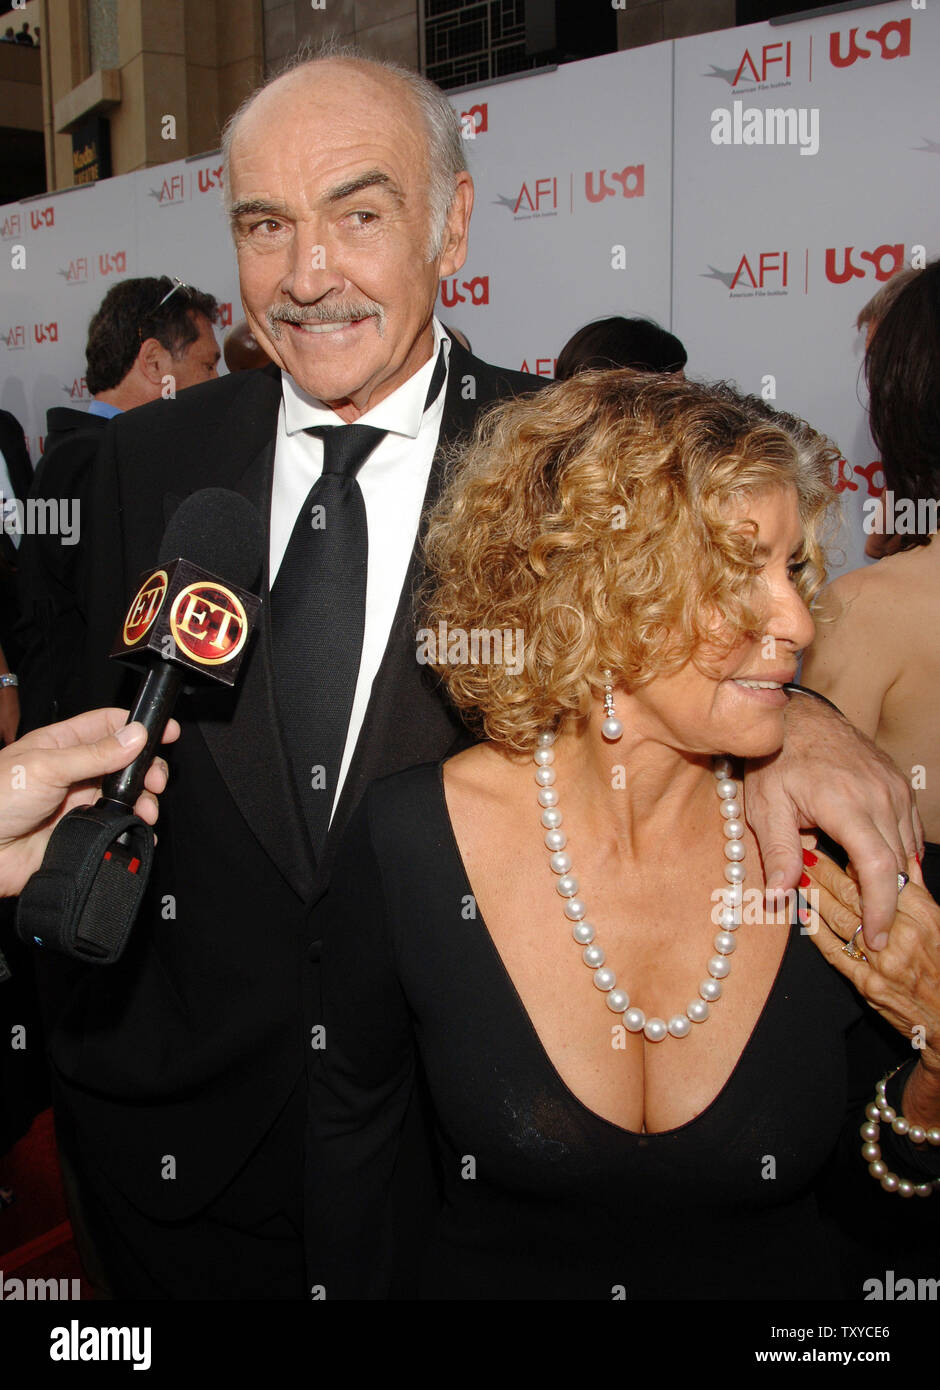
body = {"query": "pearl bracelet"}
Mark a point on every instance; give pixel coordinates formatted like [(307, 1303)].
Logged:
[(880, 1110)]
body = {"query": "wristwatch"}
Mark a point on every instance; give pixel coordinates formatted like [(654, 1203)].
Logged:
[(8, 678)]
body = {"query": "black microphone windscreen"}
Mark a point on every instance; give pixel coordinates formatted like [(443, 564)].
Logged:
[(219, 531)]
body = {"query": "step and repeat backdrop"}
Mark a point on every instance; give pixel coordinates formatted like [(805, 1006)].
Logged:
[(749, 189)]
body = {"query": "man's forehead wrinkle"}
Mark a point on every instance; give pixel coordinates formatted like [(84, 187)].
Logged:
[(321, 101)]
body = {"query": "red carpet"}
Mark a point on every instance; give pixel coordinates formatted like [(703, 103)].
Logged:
[(35, 1235)]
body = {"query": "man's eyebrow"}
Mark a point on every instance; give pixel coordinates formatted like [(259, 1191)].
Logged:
[(250, 207), (373, 179)]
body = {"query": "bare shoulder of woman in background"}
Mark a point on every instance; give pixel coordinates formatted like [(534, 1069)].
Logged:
[(877, 656)]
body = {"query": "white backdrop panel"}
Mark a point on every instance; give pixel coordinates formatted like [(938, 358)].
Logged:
[(760, 233)]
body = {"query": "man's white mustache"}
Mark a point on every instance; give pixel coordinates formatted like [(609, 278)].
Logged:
[(337, 313)]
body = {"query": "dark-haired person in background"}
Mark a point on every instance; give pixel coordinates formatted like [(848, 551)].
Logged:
[(241, 349), (16, 476), (150, 337), (877, 543), (619, 342), (880, 659)]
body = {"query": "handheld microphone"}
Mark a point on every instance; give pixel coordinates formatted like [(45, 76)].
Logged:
[(189, 621), (191, 616)]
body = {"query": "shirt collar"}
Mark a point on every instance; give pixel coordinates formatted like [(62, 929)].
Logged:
[(104, 408), (400, 413)]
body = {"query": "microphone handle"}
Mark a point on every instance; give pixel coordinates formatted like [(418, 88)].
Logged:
[(153, 708)]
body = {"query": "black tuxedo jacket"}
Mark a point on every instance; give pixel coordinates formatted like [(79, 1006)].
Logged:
[(51, 575), (174, 1063), (16, 456)]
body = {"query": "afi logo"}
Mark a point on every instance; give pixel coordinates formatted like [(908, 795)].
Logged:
[(766, 56), (12, 225), (77, 271), (885, 261), (768, 263), (225, 315), (172, 190), (478, 288), (630, 178), (78, 391), (15, 337), (546, 195), (210, 178), (112, 264), (898, 29), (544, 366), (41, 217), (46, 332), (475, 119)]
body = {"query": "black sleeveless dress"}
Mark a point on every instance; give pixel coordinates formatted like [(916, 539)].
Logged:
[(541, 1197)]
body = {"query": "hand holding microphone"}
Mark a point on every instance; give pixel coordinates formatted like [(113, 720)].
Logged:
[(189, 621), (50, 771)]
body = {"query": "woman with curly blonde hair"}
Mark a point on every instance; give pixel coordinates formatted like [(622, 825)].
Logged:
[(564, 924)]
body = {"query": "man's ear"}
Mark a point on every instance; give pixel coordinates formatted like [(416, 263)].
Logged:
[(457, 230), (151, 361)]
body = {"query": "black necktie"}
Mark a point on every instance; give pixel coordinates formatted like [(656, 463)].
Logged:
[(318, 609), (318, 606)]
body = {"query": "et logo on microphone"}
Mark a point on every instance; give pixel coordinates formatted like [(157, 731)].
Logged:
[(145, 606), (186, 616), (209, 623)]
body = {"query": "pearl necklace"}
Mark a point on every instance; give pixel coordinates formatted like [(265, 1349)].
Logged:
[(566, 885)]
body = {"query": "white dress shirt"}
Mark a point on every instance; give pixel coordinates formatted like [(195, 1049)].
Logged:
[(393, 480), (9, 511)]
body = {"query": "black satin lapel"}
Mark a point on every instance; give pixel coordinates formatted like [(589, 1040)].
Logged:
[(246, 746)]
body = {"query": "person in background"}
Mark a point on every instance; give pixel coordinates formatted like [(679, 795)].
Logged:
[(619, 342), (9, 35), (871, 313), (877, 543), (16, 476), (150, 338), (878, 656), (24, 36), (241, 349)]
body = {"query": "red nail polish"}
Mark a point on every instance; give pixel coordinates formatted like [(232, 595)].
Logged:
[(803, 913), (805, 881), (810, 858)]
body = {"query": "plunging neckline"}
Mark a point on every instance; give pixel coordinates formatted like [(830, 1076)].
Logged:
[(521, 1009)]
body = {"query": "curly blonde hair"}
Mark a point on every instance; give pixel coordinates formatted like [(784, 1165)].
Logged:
[(593, 517)]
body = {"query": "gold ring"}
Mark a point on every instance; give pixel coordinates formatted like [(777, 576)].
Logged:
[(852, 950)]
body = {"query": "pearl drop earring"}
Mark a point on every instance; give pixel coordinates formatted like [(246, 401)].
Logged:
[(611, 727)]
